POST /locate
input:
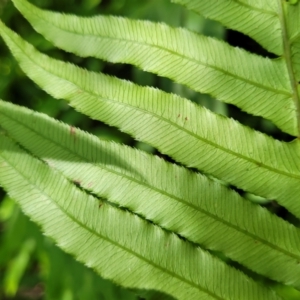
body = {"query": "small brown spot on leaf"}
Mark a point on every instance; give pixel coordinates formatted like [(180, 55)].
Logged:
[(73, 132)]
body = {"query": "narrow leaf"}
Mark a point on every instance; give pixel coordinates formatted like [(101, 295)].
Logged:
[(255, 84), (258, 19), (217, 145), (117, 244), (215, 217), (274, 24)]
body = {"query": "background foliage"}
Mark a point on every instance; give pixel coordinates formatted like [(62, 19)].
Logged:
[(31, 266)]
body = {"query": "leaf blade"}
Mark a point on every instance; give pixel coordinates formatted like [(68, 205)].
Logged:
[(223, 224), (261, 87), (117, 103), (93, 234), (258, 19)]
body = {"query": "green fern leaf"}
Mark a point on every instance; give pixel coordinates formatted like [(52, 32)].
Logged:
[(59, 171), (116, 243), (228, 225), (148, 114), (257, 85), (274, 24), (258, 19)]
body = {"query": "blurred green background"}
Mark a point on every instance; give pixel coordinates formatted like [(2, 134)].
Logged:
[(31, 266)]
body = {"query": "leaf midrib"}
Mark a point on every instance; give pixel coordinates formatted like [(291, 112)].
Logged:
[(170, 273), (141, 183), (289, 63)]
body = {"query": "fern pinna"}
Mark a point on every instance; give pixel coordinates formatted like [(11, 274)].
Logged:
[(134, 218)]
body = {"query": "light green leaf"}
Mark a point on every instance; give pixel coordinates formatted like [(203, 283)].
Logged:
[(117, 244), (256, 18), (203, 211), (257, 85), (216, 145), (274, 24), (17, 268)]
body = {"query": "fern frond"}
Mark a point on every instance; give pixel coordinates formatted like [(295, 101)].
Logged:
[(150, 187), (257, 85), (274, 24), (236, 154), (56, 171), (258, 19), (117, 243)]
